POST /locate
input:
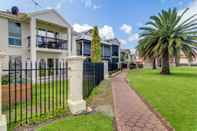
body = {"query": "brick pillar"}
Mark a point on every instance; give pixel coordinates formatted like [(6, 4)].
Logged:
[(75, 95), (3, 121)]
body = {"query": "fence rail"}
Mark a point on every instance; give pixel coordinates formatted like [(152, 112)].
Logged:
[(93, 74), (33, 90)]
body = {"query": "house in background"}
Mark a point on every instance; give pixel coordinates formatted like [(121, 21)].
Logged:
[(130, 58), (184, 60), (39, 36), (110, 48)]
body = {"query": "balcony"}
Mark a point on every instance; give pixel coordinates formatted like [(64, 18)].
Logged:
[(43, 42)]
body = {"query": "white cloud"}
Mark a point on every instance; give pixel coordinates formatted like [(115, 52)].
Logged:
[(81, 28), (122, 41), (192, 9), (133, 38), (106, 32), (90, 4), (126, 28)]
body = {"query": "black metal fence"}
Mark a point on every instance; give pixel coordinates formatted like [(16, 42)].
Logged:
[(31, 92), (112, 67), (93, 74)]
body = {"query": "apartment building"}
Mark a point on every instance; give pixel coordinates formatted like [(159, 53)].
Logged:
[(110, 48), (38, 36)]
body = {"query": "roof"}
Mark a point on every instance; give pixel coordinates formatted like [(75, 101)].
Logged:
[(8, 14), (114, 41), (25, 16), (40, 12), (86, 35)]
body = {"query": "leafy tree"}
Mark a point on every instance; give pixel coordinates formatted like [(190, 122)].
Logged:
[(96, 46), (167, 33)]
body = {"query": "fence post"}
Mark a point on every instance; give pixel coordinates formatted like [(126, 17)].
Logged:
[(75, 79), (3, 122), (106, 70)]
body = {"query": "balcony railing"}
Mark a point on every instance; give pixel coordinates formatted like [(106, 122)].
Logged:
[(49, 43)]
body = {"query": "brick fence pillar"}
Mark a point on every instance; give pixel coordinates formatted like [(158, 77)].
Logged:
[(3, 121), (75, 79)]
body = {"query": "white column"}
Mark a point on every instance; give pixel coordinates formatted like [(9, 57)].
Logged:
[(3, 121), (119, 57), (106, 72), (74, 46), (82, 48), (33, 45), (69, 41), (75, 95)]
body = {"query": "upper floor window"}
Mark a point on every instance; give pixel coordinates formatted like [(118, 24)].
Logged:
[(106, 51), (87, 48), (115, 50), (14, 30)]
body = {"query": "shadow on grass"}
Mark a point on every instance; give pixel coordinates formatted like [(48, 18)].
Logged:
[(172, 74)]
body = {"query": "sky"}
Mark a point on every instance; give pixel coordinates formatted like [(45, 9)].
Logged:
[(115, 18)]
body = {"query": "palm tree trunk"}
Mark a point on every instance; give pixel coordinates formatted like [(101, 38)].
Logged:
[(165, 69), (154, 64), (177, 58), (177, 61)]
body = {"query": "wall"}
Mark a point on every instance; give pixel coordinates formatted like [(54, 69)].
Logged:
[(13, 50)]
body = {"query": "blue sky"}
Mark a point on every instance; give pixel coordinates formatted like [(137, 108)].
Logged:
[(116, 18)]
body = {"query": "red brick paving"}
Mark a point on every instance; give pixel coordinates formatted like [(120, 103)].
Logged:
[(131, 113)]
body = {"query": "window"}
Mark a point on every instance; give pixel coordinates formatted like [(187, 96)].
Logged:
[(87, 48), (14, 33), (106, 51), (15, 60), (41, 32), (115, 50)]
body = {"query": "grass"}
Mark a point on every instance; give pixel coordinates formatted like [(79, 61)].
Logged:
[(90, 122), (103, 90), (174, 96), (93, 122)]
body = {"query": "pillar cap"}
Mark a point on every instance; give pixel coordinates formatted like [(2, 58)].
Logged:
[(76, 58)]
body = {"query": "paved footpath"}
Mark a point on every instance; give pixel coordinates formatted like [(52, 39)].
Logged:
[(131, 113)]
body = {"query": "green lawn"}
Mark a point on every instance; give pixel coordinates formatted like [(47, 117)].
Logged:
[(91, 122), (174, 96), (94, 122)]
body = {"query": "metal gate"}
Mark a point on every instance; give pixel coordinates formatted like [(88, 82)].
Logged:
[(34, 91)]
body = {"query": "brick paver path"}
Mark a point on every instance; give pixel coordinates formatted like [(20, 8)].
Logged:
[(131, 113)]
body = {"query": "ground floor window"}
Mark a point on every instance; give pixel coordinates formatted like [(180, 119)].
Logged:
[(15, 62)]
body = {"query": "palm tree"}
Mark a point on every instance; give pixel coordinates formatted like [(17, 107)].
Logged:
[(167, 32), (147, 54)]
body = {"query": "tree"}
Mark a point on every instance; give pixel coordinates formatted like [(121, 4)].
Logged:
[(95, 46), (167, 33), (142, 52)]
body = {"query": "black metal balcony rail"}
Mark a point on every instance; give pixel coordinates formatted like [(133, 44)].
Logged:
[(106, 57), (49, 43)]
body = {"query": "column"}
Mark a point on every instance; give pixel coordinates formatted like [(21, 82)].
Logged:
[(33, 45), (75, 76), (82, 48), (69, 41), (74, 45), (3, 121), (106, 71)]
